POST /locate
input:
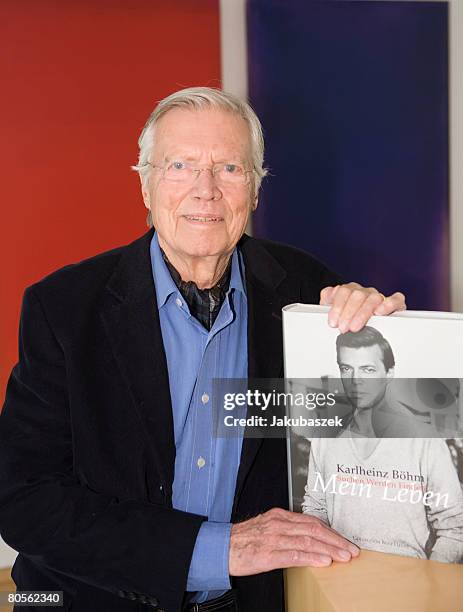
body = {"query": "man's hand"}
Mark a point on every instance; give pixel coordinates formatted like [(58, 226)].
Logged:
[(279, 539), (352, 305)]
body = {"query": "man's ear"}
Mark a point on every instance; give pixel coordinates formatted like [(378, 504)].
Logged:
[(145, 194), (389, 375), (255, 202)]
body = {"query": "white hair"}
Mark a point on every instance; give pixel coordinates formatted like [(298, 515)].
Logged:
[(198, 98)]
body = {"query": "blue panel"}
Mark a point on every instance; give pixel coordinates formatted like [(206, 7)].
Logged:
[(353, 96)]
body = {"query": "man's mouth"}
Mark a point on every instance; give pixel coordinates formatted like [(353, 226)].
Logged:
[(203, 219), (358, 396)]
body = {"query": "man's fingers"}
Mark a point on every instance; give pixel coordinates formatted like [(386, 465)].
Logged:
[(352, 305), (362, 314), (298, 558), (307, 518), (393, 303), (357, 304), (325, 535), (327, 294), (279, 521), (337, 305), (308, 544)]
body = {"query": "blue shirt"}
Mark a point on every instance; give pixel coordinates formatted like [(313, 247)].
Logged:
[(206, 467)]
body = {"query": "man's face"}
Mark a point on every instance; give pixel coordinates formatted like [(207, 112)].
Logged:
[(202, 218), (364, 376)]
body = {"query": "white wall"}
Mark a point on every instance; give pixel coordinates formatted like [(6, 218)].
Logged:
[(7, 555), (233, 47), (233, 53), (456, 152)]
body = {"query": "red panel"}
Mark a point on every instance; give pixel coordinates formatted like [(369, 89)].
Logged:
[(79, 79)]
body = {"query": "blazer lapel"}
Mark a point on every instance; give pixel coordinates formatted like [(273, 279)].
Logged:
[(131, 320), (265, 337)]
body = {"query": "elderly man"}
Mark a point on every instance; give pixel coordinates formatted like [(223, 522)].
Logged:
[(112, 487)]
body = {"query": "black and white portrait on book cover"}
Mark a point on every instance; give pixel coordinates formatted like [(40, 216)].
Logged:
[(390, 479)]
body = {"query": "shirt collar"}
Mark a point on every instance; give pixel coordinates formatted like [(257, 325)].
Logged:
[(164, 283)]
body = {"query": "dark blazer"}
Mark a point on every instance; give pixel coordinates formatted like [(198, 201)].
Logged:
[(86, 434)]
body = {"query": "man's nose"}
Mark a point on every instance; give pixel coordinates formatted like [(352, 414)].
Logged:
[(205, 185)]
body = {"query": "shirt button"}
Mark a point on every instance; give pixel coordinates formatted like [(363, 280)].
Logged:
[(178, 301), (204, 398), (201, 462)]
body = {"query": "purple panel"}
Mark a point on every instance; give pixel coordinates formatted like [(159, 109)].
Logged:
[(353, 96)]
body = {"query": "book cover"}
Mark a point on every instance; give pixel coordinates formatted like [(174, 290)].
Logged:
[(390, 477)]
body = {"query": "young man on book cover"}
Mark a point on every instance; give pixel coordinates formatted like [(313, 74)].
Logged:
[(392, 494)]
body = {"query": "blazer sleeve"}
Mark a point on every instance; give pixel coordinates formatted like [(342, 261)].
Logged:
[(316, 277), (49, 516)]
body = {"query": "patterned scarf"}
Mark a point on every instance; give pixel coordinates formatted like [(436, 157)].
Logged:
[(204, 304)]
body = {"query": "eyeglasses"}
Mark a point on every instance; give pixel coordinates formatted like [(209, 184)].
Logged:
[(183, 172)]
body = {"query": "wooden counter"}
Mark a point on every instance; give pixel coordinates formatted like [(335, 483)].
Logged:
[(376, 582), (6, 584)]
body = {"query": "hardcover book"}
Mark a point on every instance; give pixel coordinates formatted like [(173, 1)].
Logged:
[(388, 473)]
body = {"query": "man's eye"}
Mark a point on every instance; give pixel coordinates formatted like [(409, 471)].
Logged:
[(232, 169), (177, 165)]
